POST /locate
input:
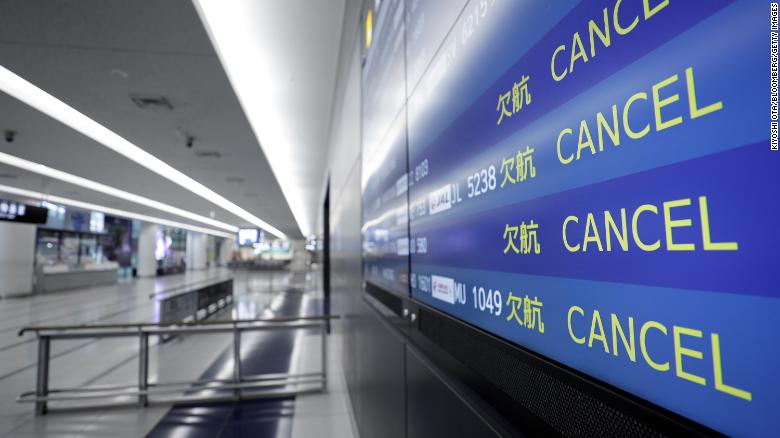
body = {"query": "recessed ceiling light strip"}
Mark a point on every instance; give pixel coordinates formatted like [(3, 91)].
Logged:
[(108, 190), (255, 77), (28, 93), (108, 210)]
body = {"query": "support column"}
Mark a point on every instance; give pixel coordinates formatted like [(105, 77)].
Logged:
[(300, 255), (17, 258), (197, 250), (226, 251), (147, 240)]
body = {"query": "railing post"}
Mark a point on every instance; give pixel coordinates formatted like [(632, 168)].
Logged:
[(42, 383), (143, 369), (236, 359), (324, 354)]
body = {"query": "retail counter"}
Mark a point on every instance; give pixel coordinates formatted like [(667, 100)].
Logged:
[(60, 277)]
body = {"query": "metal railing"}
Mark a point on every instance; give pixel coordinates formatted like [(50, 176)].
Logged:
[(262, 385), (192, 285), (195, 300)]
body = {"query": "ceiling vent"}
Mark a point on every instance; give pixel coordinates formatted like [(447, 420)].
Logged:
[(208, 154), (235, 179), (251, 195), (151, 102), (8, 176)]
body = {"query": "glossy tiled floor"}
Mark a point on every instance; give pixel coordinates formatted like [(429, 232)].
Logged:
[(114, 361)]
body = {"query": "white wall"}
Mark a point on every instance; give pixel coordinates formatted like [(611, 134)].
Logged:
[(147, 265), (16, 258), (344, 167)]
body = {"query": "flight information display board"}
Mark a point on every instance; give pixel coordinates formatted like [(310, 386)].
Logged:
[(594, 181), (384, 152)]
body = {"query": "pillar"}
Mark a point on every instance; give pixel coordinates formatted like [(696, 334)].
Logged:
[(147, 241), (16, 258), (226, 251), (299, 254), (197, 250)]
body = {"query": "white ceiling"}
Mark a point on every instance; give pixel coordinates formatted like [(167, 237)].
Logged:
[(93, 54)]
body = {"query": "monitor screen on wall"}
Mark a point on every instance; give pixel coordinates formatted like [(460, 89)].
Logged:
[(385, 230), (13, 211), (248, 236), (592, 181)]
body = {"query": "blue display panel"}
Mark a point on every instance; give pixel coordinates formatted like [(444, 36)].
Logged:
[(384, 164), (594, 181), (428, 22)]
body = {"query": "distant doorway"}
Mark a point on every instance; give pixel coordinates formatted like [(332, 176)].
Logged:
[(326, 253)]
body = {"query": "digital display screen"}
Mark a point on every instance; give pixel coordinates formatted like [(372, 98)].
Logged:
[(97, 222), (248, 236), (594, 181), (163, 244), (384, 173), (12, 211)]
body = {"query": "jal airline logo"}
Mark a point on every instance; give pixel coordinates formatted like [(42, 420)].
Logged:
[(440, 200)]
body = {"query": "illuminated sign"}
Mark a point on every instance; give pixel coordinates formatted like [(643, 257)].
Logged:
[(248, 236), (385, 183), (593, 181), (12, 211)]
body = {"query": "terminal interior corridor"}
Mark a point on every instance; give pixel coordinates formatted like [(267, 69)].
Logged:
[(115, 361)]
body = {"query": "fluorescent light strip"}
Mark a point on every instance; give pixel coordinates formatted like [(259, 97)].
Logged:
[(102, 188), (231, 27), (112, 211), (28, 93)]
